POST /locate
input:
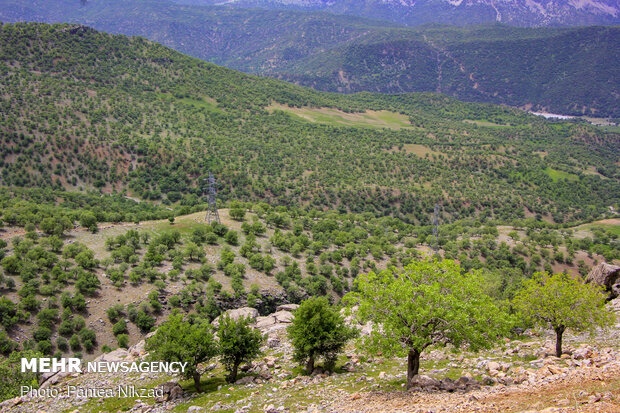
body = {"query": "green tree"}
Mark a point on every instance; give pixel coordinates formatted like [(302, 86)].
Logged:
[(426, 303), (562, 302), (318, 330), (89, 220), (181, 341), (193, 251), (237, 213), (238, 343), (12, 377)]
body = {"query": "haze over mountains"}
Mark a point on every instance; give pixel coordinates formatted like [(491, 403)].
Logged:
[(562, 70), (415, 12)]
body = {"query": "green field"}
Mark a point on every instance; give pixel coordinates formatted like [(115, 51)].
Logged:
[(377, 119), (557, 175)]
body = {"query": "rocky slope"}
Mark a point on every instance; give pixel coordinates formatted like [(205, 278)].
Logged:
[(414, 12), (520, 375)]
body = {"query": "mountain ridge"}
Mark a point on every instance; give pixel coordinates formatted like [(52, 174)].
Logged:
[(526, 13), (497, 64)]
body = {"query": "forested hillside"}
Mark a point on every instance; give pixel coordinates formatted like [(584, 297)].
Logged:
[(568, 70), (87, 110)]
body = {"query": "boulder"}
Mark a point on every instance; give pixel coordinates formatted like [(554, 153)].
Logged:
[(283, 316), (117, 355), (287, 307), (608, 276), (237, 313), (424, 382), (245, 380), (493, 366), (263, 323), (171, 391), (447, 384)]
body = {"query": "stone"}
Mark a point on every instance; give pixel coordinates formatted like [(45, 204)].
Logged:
[(493, 366), (608, 276), (287, 307), (582, 353), (195, 409), (423, 381), (171, 391), (237, 313), (283, 316), (245, 380), (273, 342), (119, 354), (448, 384), (263, 323)]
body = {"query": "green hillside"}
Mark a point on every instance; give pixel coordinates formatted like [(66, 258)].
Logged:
[(86, 110), (560, 70)]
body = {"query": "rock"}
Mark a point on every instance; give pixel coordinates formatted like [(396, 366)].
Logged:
[(424, 382), (448, 384), (488, 381), (283, 316), (608, 276), (138, 349), (493, 366), (237, 313), (171, 391), (287, 307), (582, 353), (195, 409), (119, 354), (245, 380), (382, 375), (273, 342), (263, 323)]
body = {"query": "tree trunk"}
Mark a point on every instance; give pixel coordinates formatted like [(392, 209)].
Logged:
[(558, 342), (413, 365), (196, 377), (310, 365), (233, 373)]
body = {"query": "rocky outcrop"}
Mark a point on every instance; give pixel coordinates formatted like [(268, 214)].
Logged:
[(171, 391), (238, 313), (608, 276)]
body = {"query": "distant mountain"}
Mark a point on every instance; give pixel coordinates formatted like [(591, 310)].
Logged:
[(415, 12), (562, 70)]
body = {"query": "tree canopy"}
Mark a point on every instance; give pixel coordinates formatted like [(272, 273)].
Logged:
[(562, 302), (182, 341), (427, 303)]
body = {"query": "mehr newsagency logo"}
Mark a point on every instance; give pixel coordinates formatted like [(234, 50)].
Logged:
[(75, 365)]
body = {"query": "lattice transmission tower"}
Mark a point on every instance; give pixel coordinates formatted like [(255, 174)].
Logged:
[(212, 214), (436, 228)]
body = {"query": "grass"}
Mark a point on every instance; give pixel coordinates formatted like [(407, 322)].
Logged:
[(557, 175), (419, 150), (368, 119)]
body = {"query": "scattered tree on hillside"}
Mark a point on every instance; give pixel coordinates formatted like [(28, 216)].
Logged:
[(562, 302), (318, 330), (181, 341), (238, 343), (426, 303)]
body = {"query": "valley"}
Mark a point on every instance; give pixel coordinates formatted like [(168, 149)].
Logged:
[(334, 209)]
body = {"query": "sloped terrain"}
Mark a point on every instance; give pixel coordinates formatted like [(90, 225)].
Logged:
[(567, 70), (83, 109)]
